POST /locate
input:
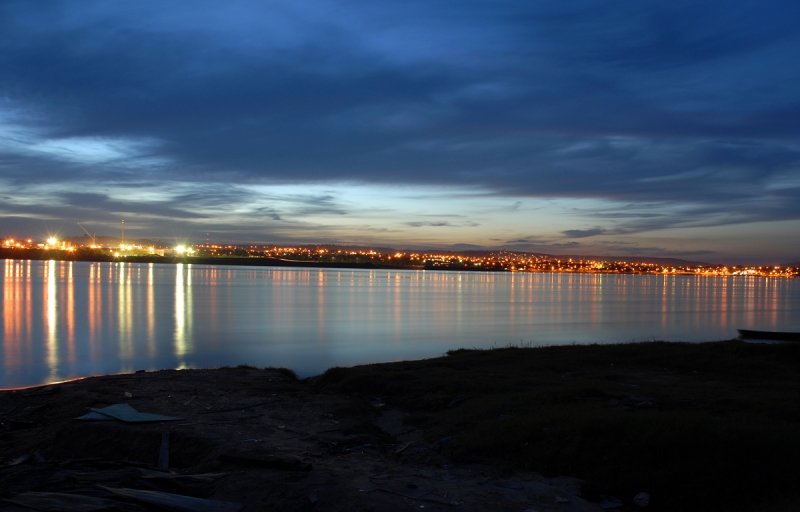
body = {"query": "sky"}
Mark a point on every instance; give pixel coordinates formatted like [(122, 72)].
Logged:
[(582, 128)]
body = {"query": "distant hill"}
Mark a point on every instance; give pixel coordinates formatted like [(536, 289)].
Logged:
[(672, 262), (667, 262), (675, 262), (458, 250), (340, 247)]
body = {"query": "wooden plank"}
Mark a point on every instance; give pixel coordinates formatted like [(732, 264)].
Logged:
[(177, 502)]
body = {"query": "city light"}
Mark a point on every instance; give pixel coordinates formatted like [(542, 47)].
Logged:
[(483, 261)]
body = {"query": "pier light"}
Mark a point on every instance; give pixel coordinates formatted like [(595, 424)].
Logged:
[(190, 250), (52, 241), (180, 249)]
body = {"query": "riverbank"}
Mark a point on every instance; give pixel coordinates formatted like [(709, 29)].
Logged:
[(709, 426), (559, 266), (99, 257)]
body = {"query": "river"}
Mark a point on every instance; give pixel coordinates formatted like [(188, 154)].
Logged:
[(62, 320)]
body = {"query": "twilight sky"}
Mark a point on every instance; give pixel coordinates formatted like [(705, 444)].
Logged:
[(584, 127)]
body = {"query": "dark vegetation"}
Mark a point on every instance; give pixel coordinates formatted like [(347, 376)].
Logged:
[(710, 426)]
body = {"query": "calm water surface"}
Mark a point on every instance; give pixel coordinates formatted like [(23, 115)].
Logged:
[(62, 320)]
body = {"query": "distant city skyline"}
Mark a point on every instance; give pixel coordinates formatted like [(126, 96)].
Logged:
[(89, 248), (589, 128)]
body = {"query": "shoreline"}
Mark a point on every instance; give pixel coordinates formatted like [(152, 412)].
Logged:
[(68, 380), (59, 255), (497, 429), (401, 361)]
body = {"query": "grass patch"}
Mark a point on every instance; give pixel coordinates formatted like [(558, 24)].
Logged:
[(708, 426), (286, 372)]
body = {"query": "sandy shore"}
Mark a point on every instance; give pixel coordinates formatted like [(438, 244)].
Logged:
[(298, 447)]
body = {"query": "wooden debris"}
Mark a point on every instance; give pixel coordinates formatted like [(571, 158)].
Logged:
[(400, 450), (62, 502), (126, 413), (176, 502), (202, 478), (19, 460)]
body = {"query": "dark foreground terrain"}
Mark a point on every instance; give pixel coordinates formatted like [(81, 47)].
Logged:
[(711, 426)]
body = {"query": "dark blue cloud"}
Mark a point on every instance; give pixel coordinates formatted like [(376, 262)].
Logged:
[(657, 104), (583, 233)]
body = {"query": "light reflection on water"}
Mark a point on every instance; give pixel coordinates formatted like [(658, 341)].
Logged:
[(62, 320)]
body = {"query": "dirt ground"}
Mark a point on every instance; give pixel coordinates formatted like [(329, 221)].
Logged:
[(255, 437)]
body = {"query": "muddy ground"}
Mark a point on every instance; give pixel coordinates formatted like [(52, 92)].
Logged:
[(255, 437)]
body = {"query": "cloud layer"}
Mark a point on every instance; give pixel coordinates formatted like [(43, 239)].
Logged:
[(660, 116)]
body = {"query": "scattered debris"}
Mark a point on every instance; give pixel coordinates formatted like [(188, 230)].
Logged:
[(19, 460), (457, 399), (128, 394), (400, 450), (177, 502), (608, 502), (202, 478), (126, 413), (62, 502), (167, 465)]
